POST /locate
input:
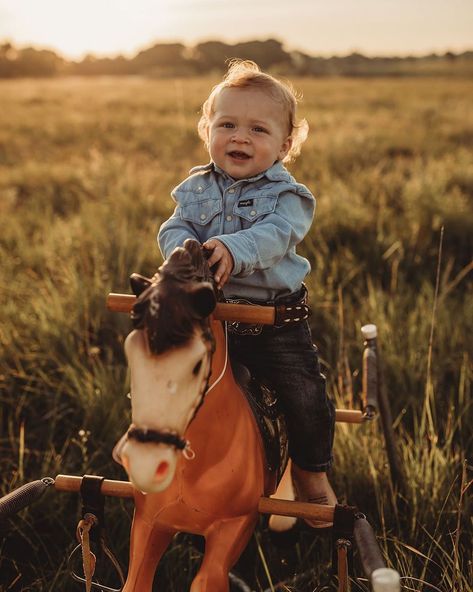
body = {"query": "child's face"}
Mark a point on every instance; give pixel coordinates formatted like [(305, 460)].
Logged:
[(247, 132)]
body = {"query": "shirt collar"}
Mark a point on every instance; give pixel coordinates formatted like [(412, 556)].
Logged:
[(276, 172)]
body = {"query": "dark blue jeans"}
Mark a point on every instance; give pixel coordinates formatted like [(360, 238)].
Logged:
[(286, 359)]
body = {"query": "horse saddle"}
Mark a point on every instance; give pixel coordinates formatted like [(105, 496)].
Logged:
[(264, 404)]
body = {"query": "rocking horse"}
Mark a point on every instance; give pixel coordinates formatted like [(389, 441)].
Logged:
[(193, 451)]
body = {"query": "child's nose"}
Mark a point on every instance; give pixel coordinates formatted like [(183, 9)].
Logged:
[(240, 137)]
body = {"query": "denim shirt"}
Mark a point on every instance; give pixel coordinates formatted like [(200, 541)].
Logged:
[(260, 221)]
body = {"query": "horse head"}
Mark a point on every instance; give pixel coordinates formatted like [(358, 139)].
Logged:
[(169, 354)]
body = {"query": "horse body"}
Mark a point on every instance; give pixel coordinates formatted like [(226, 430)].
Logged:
[(215, 493)]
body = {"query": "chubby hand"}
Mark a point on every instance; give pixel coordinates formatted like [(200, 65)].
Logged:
[(221, 257)]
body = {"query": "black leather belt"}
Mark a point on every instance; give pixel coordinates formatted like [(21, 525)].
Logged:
[(294, 310)]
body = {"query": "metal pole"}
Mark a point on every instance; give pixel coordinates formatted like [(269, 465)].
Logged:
[(374, 393), (382, 578), (22, 497)]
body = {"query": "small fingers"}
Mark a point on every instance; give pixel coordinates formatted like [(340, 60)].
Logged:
[(211, 245), (215, 257), (222, 273), (223, 279), (222, 257)]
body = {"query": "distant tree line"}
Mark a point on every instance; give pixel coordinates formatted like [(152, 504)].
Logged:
[(175, 59)]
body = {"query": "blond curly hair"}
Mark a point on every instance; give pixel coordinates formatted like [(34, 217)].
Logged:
[(247, 74)]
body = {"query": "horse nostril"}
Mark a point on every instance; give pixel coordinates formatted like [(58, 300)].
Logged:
[(161, 470)]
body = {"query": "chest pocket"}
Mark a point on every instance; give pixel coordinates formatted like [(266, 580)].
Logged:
[(200, 212), (252, 207)]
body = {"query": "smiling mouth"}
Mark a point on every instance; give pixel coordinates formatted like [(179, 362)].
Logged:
[(239, 155)]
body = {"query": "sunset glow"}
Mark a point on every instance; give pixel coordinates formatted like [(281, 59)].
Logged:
[(373, 27)]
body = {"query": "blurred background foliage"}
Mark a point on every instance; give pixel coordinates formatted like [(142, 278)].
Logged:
[(177, 59)]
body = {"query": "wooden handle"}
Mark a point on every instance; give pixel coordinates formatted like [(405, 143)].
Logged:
[(270, 505), (266, 505), (120, 302), (349, 416), (244, 313), (72, 483)]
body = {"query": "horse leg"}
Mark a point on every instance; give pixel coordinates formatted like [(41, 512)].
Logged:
[(285, 491), (147, 546), (224, 543)]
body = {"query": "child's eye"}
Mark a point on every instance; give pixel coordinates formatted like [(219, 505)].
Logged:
[(228, 125), (260, 130)]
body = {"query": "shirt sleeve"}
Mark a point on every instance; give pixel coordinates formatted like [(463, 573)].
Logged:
[(174, 232), (271, 237)]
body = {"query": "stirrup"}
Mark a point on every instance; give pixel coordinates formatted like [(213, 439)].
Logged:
[(97, 585)]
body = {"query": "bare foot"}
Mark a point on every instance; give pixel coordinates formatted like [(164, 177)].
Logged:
[(285, 490), (314, 488)]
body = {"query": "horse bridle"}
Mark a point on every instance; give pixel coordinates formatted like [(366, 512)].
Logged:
[(169, 437), (144, 436)]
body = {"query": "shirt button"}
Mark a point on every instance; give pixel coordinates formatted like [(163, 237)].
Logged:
[(229, 218), (231, 191), (253, 213), (203, 216)]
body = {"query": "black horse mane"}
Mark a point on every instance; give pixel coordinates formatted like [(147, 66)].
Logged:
[(178, 297)]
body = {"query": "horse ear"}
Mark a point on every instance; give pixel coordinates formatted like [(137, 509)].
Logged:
[(202, 299), (139, 283), (196, 252), (192, 246)]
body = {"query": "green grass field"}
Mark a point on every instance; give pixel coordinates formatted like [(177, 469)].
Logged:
[(86, 169)]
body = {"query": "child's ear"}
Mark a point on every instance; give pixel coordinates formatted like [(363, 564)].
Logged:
[(285, 147)]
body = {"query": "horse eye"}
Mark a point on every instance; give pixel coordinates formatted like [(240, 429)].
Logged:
[(197, 368)]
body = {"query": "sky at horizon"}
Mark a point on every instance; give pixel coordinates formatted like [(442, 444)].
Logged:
[(318, 27)]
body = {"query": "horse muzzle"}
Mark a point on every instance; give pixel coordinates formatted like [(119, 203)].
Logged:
[(149, 457)]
